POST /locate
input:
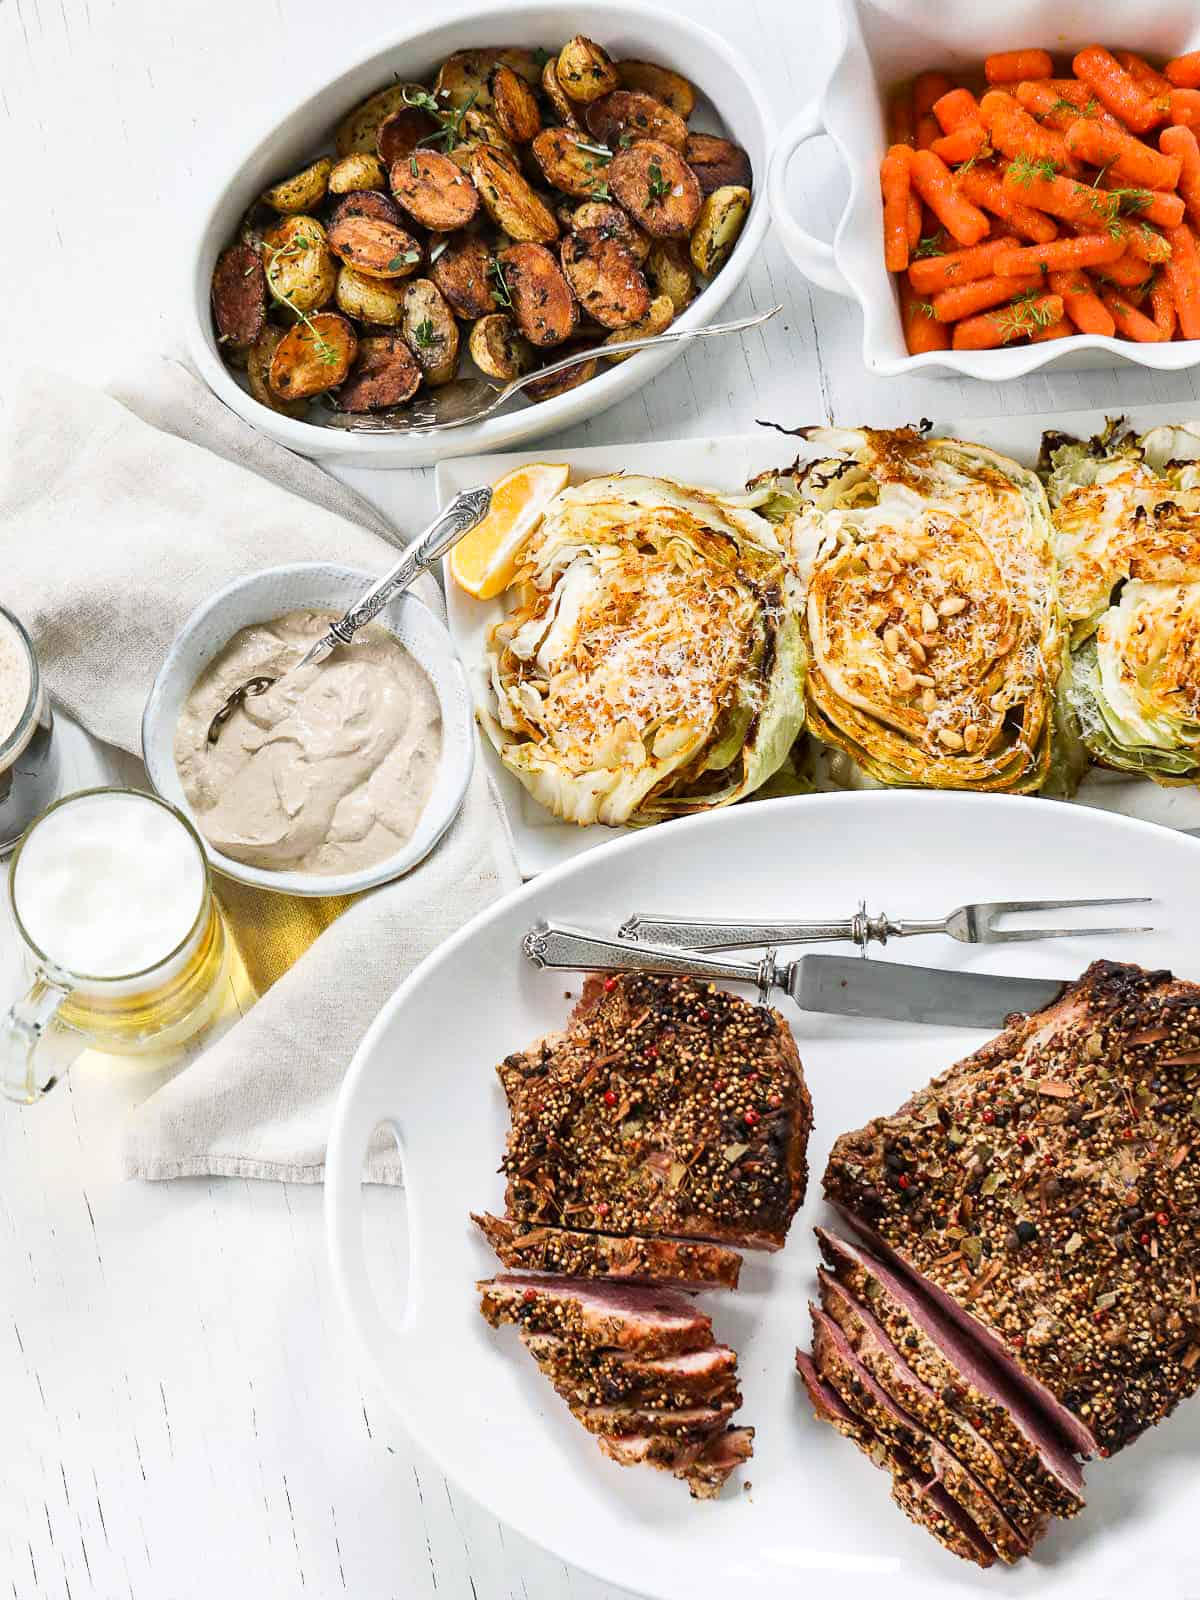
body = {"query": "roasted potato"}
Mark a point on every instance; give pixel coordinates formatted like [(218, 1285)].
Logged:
[(661, 82), (509, 201), (400, 135), (430, 331), (239, 296), (313, 356), (657, 320), (717, 162), (514, 104), (377, 300), (463, 274), (547, 388), (258, 371), (377, 249), (359, 171), (605, 278), (498, 350), (585, 70), (716, 231), (304, 191), (669, 269), (628, 114), (299, 268), (571, 164), (657, 187), (464, 78), (367, 203), (539, 295), (385, 373), (438, 194), (553, 90), (609, 218), (360, 130)]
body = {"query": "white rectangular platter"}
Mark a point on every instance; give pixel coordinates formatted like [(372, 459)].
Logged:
[(726, 463)]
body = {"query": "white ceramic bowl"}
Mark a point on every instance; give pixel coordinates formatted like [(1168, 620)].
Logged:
[(273, 593), (732, 101), (886, 41)]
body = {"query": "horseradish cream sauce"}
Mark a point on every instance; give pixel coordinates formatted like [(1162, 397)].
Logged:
[(329, 770)]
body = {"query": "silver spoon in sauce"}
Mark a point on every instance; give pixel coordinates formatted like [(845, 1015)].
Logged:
[(466, 511)]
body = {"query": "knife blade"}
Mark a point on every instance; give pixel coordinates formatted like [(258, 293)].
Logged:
[(848, 986)]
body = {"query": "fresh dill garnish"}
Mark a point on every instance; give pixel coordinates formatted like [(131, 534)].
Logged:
[(658, 185), (500, 293), (933, 244), (1021, 316), (1024, 171)]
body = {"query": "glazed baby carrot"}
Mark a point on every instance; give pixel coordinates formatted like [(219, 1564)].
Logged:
[(955, 108), (1010, 322), (1061, 329), (1184, 71), (929, 130), (952, 305), (984, 186), (934, 182), (922, 331), (1127, 271), (1162, 308), (1116, 89), (1131, 322), (929, 87), (1075, 202), (1011, 66), (1182, 144), (901, 123), (1143, 74), (894, 181), (1081, 303), (914, 222), (964, 144), (1086, 250), (1122, 155), (1080, 95), (935, 273), (1013, 131), (1144, 243), (1182, 273), (1159, 206), (1185, 107)]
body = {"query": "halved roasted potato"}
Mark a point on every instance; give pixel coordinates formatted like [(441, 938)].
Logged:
[(717, 162), (239, 296), (721, 218), (302, 192), (464, 77), (539, 294), (400, 135), (553, 90), (360, 130), (669, 269), (463, 274), (609, 218), (571, 164), (605, 278), (585, 70), (313, 356), (434, 191), (299, 268), (547, 388), (377, 249), (657, 320), (378, 300), (367, 203), (498, 350), (430, 331), (514, 104), (258, 371), (358, 171), (669, 87), (628, 114), (656, 187), (509, 201), (385, 373)]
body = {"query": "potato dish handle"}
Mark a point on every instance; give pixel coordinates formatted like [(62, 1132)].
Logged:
[(813, 256)]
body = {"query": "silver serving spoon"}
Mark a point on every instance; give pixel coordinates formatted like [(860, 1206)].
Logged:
[(466, 400), (466, 511)]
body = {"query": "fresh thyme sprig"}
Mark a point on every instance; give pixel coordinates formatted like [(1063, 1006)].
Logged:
[(322, 349), (449, 132), (658, 185), (500, 293), (424, 335)]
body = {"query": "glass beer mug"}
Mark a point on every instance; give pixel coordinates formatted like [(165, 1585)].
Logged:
[(113, 904)]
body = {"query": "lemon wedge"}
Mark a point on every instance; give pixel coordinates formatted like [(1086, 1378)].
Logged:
[(485, 561)]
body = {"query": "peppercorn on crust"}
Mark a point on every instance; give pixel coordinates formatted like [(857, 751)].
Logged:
[(535, 1248), (703, 1466), (1046, 1187), (585, 1376), (651, 1322), (666, 1107)]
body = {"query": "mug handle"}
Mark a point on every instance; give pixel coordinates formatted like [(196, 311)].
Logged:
[(813, 256), (21, 1033)]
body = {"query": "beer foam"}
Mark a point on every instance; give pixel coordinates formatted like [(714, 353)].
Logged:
[(109, 885), (16, 680)]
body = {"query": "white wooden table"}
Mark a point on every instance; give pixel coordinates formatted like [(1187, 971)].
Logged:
[(180, 1409)]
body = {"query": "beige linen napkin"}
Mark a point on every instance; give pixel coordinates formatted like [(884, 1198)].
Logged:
[(119, 513)]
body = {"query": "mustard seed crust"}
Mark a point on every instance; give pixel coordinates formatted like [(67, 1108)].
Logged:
[(534, 1247)]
